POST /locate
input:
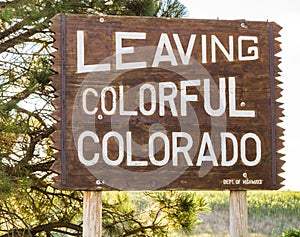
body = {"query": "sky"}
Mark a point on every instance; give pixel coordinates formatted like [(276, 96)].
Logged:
[(287, 14)]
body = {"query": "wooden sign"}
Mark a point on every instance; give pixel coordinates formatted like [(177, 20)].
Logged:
[(162, 104)]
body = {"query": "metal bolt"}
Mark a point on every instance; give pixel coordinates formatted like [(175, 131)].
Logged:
[(99, 182), (243, 104), (101, 20), (243, 25)]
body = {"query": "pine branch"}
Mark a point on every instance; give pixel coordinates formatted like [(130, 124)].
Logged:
[(51, 227), (56, 194), (21, 38), (136, 231), (11, 30), (8, 3)]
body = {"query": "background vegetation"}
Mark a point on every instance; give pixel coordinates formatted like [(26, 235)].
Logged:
[(270, 213), (29, 206)]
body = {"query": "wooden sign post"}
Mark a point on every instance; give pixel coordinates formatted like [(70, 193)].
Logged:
[(238, 212), (92, 214), (167, 104)]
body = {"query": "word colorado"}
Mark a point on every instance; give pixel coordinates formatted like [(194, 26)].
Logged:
[(177, 152)]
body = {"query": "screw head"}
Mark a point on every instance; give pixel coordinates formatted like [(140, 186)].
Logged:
[(99, 182), (243, 25)]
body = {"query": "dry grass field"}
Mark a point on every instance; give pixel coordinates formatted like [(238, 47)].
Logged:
[(269, 214)]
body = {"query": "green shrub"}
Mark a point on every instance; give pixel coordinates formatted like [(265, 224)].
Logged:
[(291, 233)]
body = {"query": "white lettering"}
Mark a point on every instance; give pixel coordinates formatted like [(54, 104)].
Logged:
[(184, 97), (170, 98), (122, 102), (152, 149), (224, 136), (206, 142), (131, 162), (251, 50), (233, 112), (117, 137), (181, 149), (228, 54), (114, 101), (222, 98), (81, 68), (164, 42), (237, 45), (181, 142), (203, 48), (243, 149), (120, 51), (81, 158), (152, 99), (84, 105), (185, 57)]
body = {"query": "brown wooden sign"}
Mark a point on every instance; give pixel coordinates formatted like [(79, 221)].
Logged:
[(162, 104)]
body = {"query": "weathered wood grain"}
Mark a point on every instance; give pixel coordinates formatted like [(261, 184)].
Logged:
[(238, 212), (92, 214), (255, 82)]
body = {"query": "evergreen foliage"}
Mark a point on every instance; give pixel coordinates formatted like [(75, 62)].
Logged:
[(291, 233), (29, 206)]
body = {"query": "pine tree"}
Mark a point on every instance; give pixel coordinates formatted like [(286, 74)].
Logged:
[(29, 206)]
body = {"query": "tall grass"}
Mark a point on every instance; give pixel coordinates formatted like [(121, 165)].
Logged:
[(273, 212), (269, 212)]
